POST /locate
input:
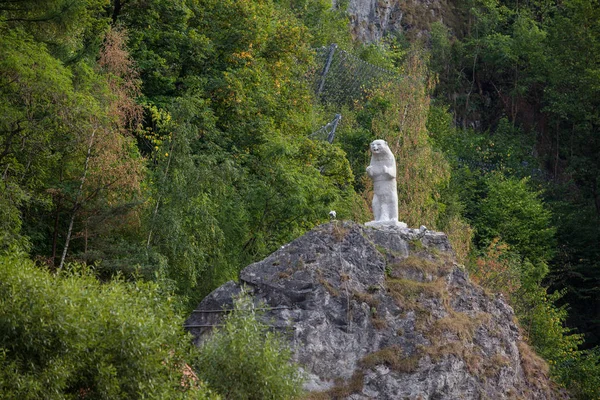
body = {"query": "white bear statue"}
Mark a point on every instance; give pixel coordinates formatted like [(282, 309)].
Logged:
[(382, 171)]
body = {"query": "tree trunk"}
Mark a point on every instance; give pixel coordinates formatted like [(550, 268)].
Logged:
[(55, 234), (596, 196), (116, 11), (158, 199), (77, 200)]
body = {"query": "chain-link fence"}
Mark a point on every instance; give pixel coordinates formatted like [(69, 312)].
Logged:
[(327, 132), (342, 78)]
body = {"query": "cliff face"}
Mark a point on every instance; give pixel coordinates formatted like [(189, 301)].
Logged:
[(387, 314), (372, 19)]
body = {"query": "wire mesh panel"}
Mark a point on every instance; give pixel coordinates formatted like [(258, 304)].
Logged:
[(342, 78)]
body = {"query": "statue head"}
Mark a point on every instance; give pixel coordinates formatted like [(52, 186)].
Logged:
[(380, 149)]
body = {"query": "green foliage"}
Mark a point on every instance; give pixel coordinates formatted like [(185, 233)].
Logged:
[(230, 174), (326, 23), (234, 174), (489, 192), (544, 324), (501, 269), (514, 213), (441, 47), (507, 149), (581, 374), (576, 262), (572, 103), (66, 153), (71, 29), (69, 336), (503, 64), (497, 268), (33, 126), (534, 65), (390, 53), (188, 193), (397, 112), (244, 359), (168, 46)]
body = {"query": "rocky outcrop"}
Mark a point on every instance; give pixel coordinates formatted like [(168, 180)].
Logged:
[(371, 20), (386, 313)]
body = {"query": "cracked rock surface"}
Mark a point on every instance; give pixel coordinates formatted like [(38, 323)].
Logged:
[(386, 314), (372, 20)]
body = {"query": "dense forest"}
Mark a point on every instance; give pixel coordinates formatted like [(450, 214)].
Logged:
[(151, 149)]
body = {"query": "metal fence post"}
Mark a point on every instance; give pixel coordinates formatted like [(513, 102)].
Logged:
[(326, 69), (336, 121)]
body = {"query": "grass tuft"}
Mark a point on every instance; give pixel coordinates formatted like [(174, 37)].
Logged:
[(341, 390), (366, 298), (534, 367), (406, 292), (458, 324), (379, 323), (332, 291), (438, 267), (339, 231), (393, 358)]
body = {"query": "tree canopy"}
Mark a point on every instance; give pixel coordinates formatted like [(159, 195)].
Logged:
[(165, 145)]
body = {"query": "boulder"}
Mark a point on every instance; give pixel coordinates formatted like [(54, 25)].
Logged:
[(386, 313)]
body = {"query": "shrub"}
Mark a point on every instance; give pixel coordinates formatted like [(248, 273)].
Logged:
[(245, 360), (514, 213), (497, 268), (581, 374), (69, 336), (545, 328)]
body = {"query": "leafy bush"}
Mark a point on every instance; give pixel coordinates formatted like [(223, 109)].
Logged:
[(498, 269), (516, 214), (69, 336), (245, 360), (545, 328), (581, 374)]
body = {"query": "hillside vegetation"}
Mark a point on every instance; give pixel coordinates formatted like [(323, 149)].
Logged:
[(151, 149)]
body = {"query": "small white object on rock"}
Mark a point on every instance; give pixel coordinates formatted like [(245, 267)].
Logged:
[(422, 229), (332, 215)]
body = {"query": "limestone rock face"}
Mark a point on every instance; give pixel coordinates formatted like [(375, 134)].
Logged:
[(372, 19), (386, 313)]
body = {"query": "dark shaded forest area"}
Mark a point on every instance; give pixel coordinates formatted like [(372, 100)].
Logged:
[(151, 149)]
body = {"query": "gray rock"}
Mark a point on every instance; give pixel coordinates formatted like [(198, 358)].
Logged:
[(371, 20), (386, 313)]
